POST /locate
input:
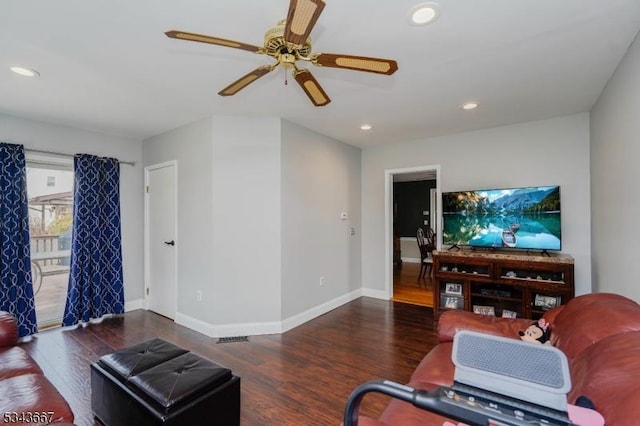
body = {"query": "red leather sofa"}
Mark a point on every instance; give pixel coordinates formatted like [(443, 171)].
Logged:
[(26, 396), (599, 333)]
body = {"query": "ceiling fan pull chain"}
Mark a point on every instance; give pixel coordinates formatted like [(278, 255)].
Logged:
[(285, 76)]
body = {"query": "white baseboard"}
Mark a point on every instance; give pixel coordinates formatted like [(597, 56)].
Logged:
[(228, 330), (315, 312), (376, 294), (410, 260), (132, 305), (259, 328), (247, 329), (194, 324)]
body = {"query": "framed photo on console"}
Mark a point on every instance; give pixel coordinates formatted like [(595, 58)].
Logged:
[(546, 302), (509, 314), (453, 288), (484, 310), (452, 302)]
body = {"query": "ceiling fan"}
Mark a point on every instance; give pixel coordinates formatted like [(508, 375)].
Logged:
[(288, 42)]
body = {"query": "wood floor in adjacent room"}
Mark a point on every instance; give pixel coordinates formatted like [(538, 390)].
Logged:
[(408, 288), (302, 377)]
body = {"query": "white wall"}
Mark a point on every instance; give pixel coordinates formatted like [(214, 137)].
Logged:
[(409, 250), (191, 147), (259, 222), (320, 180), (228, 222), (246, 242), (615, 175), (549, 152), (49, 137)]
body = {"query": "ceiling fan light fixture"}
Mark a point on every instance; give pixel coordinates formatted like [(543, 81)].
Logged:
[(289, 42), (27, 72), (468, 106), (366, 127), (424, 13)]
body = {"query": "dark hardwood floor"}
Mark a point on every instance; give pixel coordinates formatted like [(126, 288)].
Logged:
[(301, 377)]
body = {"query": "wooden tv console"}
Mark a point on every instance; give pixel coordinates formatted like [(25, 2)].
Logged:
[(501, 284)]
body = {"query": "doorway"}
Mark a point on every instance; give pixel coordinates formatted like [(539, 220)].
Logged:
[(420, 188), (161, 239)]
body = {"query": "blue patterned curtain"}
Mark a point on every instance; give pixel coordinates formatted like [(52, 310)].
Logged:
[(15, 259), (95, 278)]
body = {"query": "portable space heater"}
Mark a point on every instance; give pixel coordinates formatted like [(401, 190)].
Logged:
[(497, 381)]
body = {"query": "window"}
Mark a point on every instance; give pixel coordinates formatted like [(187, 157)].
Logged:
[(50, 193)]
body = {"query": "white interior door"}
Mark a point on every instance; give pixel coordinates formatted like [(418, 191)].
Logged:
[(161, 250)]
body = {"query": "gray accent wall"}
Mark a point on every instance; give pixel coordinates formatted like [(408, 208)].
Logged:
[(548, 152), (615, 180), (412, 199)]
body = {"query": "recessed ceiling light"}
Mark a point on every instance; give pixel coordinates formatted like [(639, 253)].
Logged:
[(469, 106), (424, 13), (365, 127), (27, 72)]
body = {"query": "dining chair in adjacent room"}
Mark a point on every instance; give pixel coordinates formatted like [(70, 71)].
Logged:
[(426, 244)]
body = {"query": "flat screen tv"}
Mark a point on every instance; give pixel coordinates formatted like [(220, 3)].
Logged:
[(520, 218)]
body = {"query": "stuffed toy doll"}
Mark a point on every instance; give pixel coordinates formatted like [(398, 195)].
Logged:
[(538, 332)]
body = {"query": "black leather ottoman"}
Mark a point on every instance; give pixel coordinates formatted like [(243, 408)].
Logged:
[(159, 383)]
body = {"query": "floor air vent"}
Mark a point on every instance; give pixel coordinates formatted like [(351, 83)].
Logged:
[(233, 339)]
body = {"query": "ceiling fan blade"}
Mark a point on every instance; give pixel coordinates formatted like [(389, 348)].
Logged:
[(358, 63), (302, 16), (182, 35), (245, 80), (311, 87)]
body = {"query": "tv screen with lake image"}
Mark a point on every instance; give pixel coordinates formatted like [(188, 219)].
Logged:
[(521, 218)]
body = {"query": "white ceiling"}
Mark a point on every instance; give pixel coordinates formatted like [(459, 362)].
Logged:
[(107, 66)]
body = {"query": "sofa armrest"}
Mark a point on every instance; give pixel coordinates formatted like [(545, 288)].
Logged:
[(8, 329), (452, 321)]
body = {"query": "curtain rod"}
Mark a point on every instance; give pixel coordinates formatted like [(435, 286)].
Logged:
[(62, 154)]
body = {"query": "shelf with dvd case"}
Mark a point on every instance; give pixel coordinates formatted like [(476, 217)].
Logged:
[(503, 298), (461, 266), (515, 285)]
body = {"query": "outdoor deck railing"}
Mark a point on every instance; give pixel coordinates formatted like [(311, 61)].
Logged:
[(44, 243)]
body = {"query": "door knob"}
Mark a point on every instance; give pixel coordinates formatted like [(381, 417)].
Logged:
[(170, 243)]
